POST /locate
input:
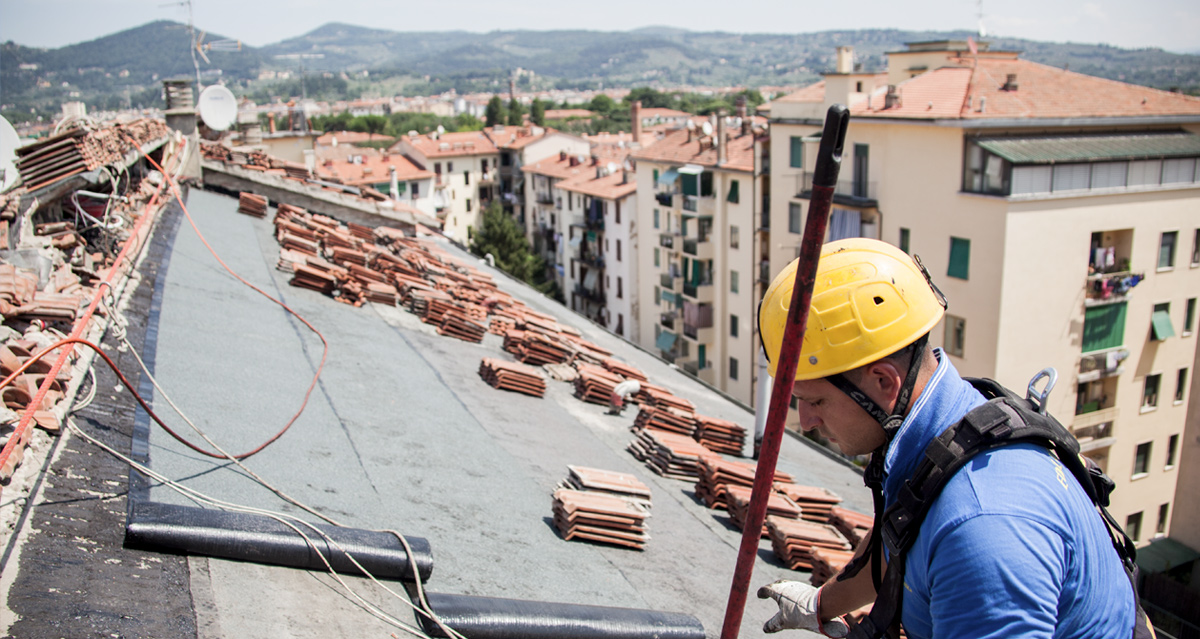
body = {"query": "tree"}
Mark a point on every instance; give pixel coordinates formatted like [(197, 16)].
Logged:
[(537, 112), (602, 104), (516, 113), (503, 238), (467, 122), (495, 111), (650, 98)]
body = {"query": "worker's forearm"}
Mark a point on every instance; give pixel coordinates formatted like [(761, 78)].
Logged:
[(839, 597)]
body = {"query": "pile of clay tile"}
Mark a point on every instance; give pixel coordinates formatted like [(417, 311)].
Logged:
[(81, 149), (512, 376), (622, 485), (795, 539), (855, 526), (665, 418), (717, 474), (816, 502), (669, 454), (720, 435), (827, 563), (626, 371), (561, 372), (252, 205), (595, 384), (599, 517), (738, 498)]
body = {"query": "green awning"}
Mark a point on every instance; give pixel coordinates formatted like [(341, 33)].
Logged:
[(1160, 326), (665, 341), (669, 297), (1164, 554), (1092, 148)]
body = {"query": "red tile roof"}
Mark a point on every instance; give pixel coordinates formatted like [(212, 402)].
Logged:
[(374, 169), (647, 113), (976, 91), (562, 114), (676, 149), (452, 144), (348, 137), (811, 93), (607, 186)]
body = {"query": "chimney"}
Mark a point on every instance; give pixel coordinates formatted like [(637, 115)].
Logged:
[(595, 160), (892, 99), (562, 155), (635, 116), (271, 121), (740, 105), (1010, 83), (845, 59), (721, 141), (624, 177), (574, 161)]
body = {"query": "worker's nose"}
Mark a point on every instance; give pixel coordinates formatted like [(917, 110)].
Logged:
[(808, 417)]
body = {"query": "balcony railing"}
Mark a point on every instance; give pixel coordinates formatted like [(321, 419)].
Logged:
[(1101, 364), (1110, 288), (850, 192), (545, 198), (691, 247), (692, 289), (690, 203), (764, 272), (666, 240), (667, 320), (663, 199), (666, 281), (691, 367), (594, 260), (1094, 434), (595, 296)]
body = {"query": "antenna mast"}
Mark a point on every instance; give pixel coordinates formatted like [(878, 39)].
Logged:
[(982, 29)]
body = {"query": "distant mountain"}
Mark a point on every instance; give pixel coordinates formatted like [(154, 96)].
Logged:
[(125, 67)]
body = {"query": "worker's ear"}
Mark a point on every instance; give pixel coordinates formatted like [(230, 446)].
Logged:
[(882, 381)]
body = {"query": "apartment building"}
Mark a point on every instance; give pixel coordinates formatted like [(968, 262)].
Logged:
[(464, 176), (701, 193), (523, 145), (389, 173), (1058, 213)]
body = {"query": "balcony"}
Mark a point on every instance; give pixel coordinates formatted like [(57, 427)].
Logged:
[(667, 320), (544, 198), (698, 248), (855, 193), (666, 281), (764, 272), (690, 203), (666, 240), (1095, 429), (595, 296), (1110, 288), (1101, 364), (663, 199), (701, 292), (592, 259), (488, 175), (440, 181), (692, 367)]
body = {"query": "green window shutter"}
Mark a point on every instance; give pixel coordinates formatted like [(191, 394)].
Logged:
[(960, 258), (656, 176), (733, 192), (701, 351), (797, 154), (1104, 327), (1160, 326), (691, 184)]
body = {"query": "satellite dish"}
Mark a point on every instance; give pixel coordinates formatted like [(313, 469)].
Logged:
[(612, 167), (691, 126), (9, 141), (706, 128), (218, 107), (441, 129)]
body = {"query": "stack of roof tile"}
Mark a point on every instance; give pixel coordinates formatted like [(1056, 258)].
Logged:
[(855, 526), (717, 474), (795, 539), (594, 384), (253, 205), (720, 435), (309, 277), (663, 398), (610, 482), (738, 498), (827, 563), (512, 376), (668, 454), (816, 502), (537, 348), (599, 517), (665, 418), (78, 150), (624, 370), (456, 324)]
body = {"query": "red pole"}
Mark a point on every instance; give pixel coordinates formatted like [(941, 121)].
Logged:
[(824, 180)]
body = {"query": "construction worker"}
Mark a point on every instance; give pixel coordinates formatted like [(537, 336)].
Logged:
[(1012, 546), (620, 393)]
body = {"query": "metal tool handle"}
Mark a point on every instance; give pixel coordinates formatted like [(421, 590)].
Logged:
[(1039, 398)]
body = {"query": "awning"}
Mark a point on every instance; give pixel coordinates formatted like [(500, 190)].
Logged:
[(665, 341), (1160, 326), (668, 177), (691, 169), (1164, 554), (1092, 148)]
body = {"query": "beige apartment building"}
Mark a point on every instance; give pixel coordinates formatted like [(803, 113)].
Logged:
[(701, 192), (464, 167), (1059, 213)]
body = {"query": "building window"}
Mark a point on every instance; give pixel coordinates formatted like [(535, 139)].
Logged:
[(657, 296), (794, 217), (960, 258), (617, 212), (734, 194), (733, 326), (437, 168), (655, 218), (733, 371), (1141, 460), (1172, 447), (859, 186), (1150, 392), (467, 178), (796, 157), (656, 258), (733, 281), (656, 176), (1166, 249), (904, 239), (618, 250), (1133, 526), (1163, 511), (733, 236), (416, 190), (620, 325), (1160, 322), (468, 204), (1180, 385), (1196, 248), (956, 335), (449, 167), (1189, 316), (620, 288)]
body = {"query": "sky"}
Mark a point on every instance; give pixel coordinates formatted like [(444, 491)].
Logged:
[(1169, 24)]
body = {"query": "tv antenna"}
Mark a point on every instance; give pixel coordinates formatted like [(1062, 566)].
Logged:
[(982, 29)]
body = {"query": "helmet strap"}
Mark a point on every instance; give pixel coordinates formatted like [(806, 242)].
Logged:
[(889, 420)]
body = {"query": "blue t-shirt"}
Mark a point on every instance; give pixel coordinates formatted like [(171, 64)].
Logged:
[(1012, 547)]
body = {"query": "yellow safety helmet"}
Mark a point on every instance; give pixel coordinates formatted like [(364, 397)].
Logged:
[(870, 299)]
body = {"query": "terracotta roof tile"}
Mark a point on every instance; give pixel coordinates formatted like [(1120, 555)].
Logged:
[(562, 114), (374, 169), (675, 148), (453, 144), (608, 186)]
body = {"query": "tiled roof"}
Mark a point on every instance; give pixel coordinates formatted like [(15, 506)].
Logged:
[(660, 112), (609, 186), (515, 137), (976, 92), (453, 144), (562, 114), (374, 169), (554, 166), (348, 137), (675, 148), (811, 93)]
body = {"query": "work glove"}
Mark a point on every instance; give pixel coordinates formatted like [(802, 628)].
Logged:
[(798, 609)]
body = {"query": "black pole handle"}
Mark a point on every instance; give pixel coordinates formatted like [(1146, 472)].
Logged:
[(833, 139)]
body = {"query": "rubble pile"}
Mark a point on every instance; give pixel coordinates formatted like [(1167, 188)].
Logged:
[(260, 162), (84, 148)]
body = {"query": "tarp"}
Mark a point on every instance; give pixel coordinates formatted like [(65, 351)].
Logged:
[(665, 341)]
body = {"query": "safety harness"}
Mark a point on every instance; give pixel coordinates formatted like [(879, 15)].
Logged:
[(1005, 419)]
